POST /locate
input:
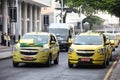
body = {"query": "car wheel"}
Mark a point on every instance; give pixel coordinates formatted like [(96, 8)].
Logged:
[(48, 63), (70, 65), (57, 59), (104, 64), (107, 62), (15, 64), (110, 58), (66, 49)]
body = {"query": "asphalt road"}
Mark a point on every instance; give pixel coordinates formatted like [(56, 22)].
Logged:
[(54, 72)]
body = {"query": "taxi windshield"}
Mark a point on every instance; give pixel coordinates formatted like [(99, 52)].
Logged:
[(88, 40), (111, 37), (37, 38)]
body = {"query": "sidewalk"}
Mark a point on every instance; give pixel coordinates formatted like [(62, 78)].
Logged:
[(5, 48), (115, 75), (3, 54)]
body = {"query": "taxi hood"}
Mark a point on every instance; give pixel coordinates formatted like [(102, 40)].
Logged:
[(29, 43), (86, 47)]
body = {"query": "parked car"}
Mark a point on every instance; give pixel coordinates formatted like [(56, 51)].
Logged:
[(89, 49), (36, 47), (113, 40), (109, 48)]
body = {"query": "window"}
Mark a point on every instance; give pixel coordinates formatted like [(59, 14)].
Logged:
[(52, 38), (46, 20)]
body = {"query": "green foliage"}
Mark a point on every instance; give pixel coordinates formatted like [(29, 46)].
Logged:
[(93, 20), (112, 6)]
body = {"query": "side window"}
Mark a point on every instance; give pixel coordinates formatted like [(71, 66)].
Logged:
[(52, 38), (46, 20)]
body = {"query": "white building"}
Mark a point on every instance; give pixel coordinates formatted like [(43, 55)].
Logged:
[(28, 18)]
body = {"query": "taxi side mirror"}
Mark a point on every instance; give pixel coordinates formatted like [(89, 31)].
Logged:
[(16, 41), (52, 42), (107, 42)]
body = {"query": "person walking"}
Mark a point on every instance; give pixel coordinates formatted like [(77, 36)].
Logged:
[(2, 39), (8, 40), (5, 39)]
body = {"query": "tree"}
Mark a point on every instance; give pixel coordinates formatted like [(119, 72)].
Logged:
[(93, 20), (64, 9), (112, 6)]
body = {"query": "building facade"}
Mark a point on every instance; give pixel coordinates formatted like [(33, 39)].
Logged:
[(28, 16)]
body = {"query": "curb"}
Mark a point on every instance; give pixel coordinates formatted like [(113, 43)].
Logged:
[(110, 71), (3, 50), (6, 58)]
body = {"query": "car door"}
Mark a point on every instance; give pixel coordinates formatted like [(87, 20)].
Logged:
[(53, 46)]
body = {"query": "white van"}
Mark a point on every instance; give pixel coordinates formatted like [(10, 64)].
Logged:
[(64, 33)]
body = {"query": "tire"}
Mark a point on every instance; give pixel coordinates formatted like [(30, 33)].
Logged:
[(49, 61), (104, 64), (70, 65), (107, 62), (66, 49), (15, 64), (113, 49), (110, 58), (56, 61)]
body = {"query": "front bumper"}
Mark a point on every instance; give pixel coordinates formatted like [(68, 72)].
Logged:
[(91, 62), (38, 58)]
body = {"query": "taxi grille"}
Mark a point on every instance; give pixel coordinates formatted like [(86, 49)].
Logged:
[(28, 53), (85, 53)]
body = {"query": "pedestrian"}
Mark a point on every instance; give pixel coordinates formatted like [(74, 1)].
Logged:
[(2, 39), (5, 39), (14, 39), (19, 37), (8, 40)]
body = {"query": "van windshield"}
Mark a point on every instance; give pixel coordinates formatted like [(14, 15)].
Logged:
[(59, 32)]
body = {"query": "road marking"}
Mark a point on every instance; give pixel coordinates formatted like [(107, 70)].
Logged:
[(111, 69)]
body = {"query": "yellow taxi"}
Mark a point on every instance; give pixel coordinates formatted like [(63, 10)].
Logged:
[(36, 47), (109, 48), (88, 49), (114, 40)]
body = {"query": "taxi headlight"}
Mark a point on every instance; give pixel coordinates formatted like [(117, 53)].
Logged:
[(44, 49), (71, 50), (102, 50)]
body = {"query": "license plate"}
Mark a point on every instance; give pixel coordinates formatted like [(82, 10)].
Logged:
[(28, 58), (84, 59)]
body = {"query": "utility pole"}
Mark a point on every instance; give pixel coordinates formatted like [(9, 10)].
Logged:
[(81, 28), (17, 22), (61, 11)]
